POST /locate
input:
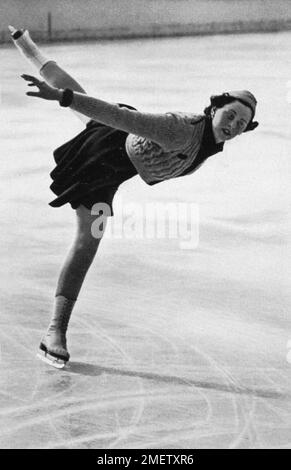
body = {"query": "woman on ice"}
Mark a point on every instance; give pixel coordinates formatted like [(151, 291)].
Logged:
[(118, 143)]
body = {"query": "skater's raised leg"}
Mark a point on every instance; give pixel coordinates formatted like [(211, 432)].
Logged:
[(27, 47), (53, 74), (70, 281), (85, 246)]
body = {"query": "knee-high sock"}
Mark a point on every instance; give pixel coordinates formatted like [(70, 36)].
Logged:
[(55, 338)]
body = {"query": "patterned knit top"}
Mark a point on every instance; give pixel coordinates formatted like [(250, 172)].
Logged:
[(155, 163), (160, 146)]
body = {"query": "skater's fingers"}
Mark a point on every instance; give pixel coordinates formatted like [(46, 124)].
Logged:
[(27, 77), (32, 93), (30, 78), (34, 84)]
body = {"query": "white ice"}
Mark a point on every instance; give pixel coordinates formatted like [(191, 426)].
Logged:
[(170, 347)]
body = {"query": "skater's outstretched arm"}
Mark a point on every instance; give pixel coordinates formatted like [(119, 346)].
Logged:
[(167, 129)]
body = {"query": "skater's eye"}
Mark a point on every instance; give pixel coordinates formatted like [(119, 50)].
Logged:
[(231, 116), (242, 124)]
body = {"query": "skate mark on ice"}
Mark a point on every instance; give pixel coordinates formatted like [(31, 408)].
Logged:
[(149, 429), (70, 402), (190, 433), (230, 385), (230, 381), (75, 409), (78, 408), (139, 409), (58, 380), (147, 395), (243, 418), (247, 436), (73, 442), (16, 340), (178, 433)]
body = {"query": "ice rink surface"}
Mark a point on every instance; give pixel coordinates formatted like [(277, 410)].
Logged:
[(170, 347)]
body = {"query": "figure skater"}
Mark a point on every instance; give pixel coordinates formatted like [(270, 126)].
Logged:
[(118, 143)]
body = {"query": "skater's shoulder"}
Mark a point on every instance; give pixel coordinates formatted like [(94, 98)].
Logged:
[(187, 117)]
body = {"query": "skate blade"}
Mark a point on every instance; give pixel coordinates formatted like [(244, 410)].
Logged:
[(52, 361), (12, 29)]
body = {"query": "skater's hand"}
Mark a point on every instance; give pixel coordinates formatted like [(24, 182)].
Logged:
[(45, 91)]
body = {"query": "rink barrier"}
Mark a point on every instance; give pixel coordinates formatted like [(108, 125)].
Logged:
[(155, 31)]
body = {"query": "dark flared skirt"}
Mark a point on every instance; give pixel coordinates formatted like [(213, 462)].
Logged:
[(90, 167)]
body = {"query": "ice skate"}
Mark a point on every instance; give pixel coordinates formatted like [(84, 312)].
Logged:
[(53, 349), (27, 47), (15, 33), (51, 360), (53, 346)]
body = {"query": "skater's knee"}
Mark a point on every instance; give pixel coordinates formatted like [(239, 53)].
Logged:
[(90, 226)]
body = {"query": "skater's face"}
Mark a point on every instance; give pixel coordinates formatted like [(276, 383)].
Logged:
[(230, 120)]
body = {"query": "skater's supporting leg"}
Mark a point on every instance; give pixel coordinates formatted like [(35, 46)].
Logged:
[(79, 257), (69, 284)]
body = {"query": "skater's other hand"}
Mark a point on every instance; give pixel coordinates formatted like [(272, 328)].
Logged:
[(45, 91)]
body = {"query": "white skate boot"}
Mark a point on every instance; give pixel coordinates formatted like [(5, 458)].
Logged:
[(53, 346), (27, 47)]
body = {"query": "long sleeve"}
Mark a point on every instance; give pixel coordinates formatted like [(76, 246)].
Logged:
[(168, 130)]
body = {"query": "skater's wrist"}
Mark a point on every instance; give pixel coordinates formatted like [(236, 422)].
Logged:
[(66, 97), (57, 94)]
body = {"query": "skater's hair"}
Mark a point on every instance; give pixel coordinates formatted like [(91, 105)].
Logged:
[(218, 101)]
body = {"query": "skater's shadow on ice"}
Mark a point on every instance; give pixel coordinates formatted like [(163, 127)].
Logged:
[(82, 368)]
